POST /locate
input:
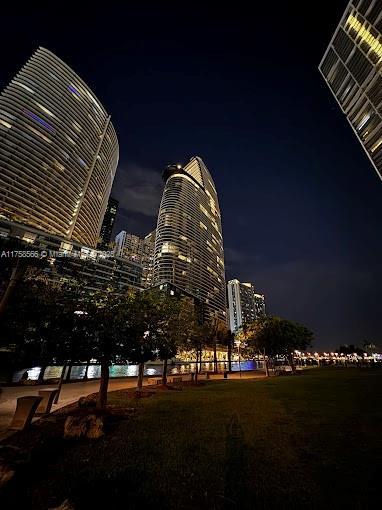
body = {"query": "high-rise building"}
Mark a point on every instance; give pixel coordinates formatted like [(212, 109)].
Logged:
[(138, 250), (58, 151), (351, 66), (244, 304), (189, 241), (108, 223)]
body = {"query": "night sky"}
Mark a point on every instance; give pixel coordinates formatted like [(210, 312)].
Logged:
[(301, 203)]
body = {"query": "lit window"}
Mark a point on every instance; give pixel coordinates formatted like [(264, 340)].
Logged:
[(169, 248), (375, 147), (82, 163), (364, 119), (39, 134), (45, 110), (70, 139), (74, 91), (58, 165), (38, 119), (5, 124), (3, 114), (366, 35), (23, 86)]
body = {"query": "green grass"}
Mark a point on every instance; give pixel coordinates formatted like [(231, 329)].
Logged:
[(310, 441)]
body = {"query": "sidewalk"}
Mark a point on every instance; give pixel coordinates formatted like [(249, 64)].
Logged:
[(69, 393)]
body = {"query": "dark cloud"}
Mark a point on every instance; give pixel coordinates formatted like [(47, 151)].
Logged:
[(138, 189)]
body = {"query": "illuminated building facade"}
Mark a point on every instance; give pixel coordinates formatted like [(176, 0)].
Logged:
[(138, 250), (189, 241), (58, 151), (244, 304), (351, 67), (89, 267), (108, 223)]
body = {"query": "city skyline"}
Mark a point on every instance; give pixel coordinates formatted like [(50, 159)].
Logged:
[(314, 250)]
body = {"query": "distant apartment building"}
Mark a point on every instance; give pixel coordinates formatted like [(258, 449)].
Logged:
[(351, 66), (138, 250), (91, 269), (108, 224), (244, 304)]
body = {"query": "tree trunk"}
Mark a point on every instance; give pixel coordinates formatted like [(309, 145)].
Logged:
[(215, 358), (164, 373), (16, 275), (265, 364), (60, 385), (85, 378), (104, 384), (67, 378), (141, 368), (40, 379), (229, 356), (200, 359), (196, 365), (291, 362)]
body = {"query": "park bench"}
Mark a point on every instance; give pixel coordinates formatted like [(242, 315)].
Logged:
[(48, 396), (155, 380), (176, 380), (25, 410)]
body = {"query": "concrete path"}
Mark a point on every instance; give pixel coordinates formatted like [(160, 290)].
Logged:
[(71, 392)]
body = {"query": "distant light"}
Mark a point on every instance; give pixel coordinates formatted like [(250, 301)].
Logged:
[(80, 312), (178, 166)]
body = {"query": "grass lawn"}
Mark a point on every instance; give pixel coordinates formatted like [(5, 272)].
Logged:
[(309, 441)]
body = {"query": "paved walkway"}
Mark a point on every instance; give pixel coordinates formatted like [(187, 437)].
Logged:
[(71, 392)]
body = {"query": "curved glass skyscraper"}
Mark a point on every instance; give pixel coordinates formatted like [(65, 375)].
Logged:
[(58, 151), (189, 242)]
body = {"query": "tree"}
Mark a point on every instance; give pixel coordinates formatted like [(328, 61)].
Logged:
[(194, 337), (275, 336), (37, 321), (369, 347), (105, 328), (227, 339), (145, 326), (41, 321), (350, 349), (15, 268), (172, 330), (215, 331)]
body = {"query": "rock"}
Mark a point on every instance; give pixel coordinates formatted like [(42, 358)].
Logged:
[(6, 473), (96, 428), (86, 402), (14, 455), (90, 426), (65, 505)]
